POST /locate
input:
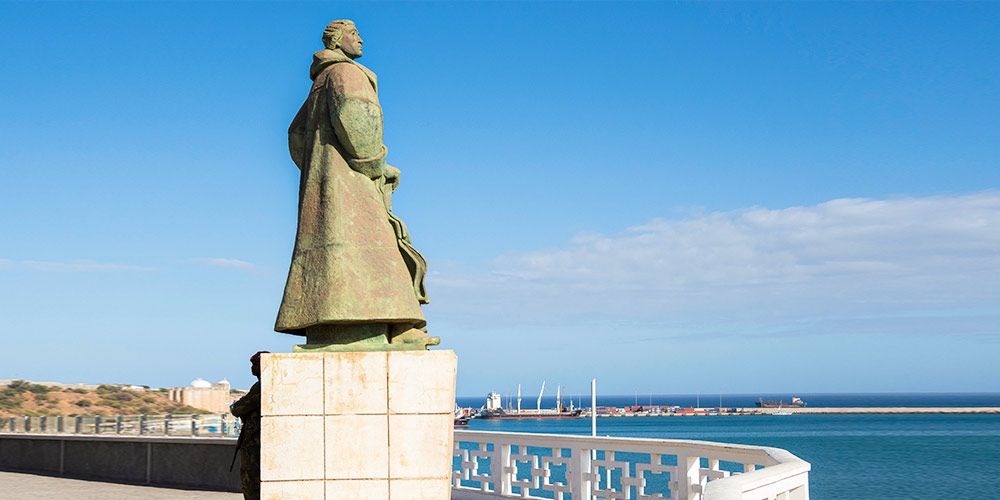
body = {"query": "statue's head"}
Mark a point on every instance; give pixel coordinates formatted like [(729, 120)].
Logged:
[(343, 34)]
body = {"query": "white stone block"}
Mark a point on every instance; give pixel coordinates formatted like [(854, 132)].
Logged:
[(355, 383), (421, 446), (422, 382), (291, 448), (291, 384), (286, 490), (358, 425), (419, 489), (358, 489), (357, 447)]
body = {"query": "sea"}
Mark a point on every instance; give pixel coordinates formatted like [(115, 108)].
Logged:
[(853, 456)]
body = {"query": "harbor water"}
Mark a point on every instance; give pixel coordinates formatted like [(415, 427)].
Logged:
[(821, 400), (853, 456)]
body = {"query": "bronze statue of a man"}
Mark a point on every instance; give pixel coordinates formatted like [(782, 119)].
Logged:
[(355, 282)]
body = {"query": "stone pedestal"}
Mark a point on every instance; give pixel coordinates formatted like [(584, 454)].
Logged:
[(349, 425)]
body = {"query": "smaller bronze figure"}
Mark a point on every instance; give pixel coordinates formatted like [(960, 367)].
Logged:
[(247, 409)]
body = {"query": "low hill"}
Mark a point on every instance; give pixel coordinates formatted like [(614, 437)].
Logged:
[(20, 398)]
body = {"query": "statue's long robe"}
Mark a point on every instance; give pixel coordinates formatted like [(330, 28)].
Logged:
[(352, 261)]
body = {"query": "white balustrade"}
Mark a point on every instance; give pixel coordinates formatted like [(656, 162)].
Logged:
[(205, 425), (535, 466), (563, 467)]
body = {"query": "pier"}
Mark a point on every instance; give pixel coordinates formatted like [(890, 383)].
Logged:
[(737, 412), (884, 410)]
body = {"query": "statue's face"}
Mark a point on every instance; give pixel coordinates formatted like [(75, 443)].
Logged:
[(351, 42)]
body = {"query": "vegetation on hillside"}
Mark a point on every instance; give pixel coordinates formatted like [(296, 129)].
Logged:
[(20, 398)]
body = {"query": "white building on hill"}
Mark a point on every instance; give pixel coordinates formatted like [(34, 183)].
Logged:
[(204, 395)]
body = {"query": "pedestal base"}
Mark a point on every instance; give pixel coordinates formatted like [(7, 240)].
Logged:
[(357, 425), (365, 337)]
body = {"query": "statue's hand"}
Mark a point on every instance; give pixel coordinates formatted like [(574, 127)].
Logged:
[(392, 176)]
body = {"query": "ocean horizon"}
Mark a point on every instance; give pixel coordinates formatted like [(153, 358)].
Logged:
[(747, 400)]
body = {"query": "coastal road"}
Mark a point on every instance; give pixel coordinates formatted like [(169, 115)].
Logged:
[(17, 486)]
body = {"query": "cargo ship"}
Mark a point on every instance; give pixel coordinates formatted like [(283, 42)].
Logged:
[(493, 409), (796, 402)]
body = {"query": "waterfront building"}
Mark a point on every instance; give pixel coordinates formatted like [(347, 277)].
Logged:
[(204, 395)]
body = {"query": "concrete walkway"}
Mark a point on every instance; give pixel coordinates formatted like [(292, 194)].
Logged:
[(16, 486)]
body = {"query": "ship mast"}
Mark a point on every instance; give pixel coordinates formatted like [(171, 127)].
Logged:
[(519, 399), (539, 404)]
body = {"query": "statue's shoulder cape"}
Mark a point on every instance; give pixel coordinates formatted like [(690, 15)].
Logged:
[(326, 58)]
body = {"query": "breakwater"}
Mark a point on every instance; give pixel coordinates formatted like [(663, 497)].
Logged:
[(736, 412), (874, 410)]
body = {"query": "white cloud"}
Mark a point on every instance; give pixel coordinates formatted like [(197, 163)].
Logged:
[(6, 263), (901, 265), (80, 266), (228, 263)]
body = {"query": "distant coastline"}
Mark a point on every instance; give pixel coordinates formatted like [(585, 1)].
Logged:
[(906, 402), (874, 410), (748, 412)]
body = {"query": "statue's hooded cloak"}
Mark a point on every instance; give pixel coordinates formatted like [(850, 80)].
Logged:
[(353, 262)]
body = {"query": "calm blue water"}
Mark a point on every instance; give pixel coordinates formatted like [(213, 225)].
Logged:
[(822, 400), (852, 456)]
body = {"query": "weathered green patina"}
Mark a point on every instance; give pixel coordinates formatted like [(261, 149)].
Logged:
[(356, 282)]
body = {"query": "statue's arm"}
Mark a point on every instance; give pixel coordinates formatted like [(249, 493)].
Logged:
[(357, 119), (248, 404), (297, 136)]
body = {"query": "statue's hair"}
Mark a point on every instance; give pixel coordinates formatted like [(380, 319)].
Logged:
[(334, 32)]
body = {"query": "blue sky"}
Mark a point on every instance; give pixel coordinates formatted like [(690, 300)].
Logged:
[(670, 197)]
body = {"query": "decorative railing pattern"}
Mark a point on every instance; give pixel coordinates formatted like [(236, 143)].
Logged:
[(206, 425), (535, 466), (589, 468)]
